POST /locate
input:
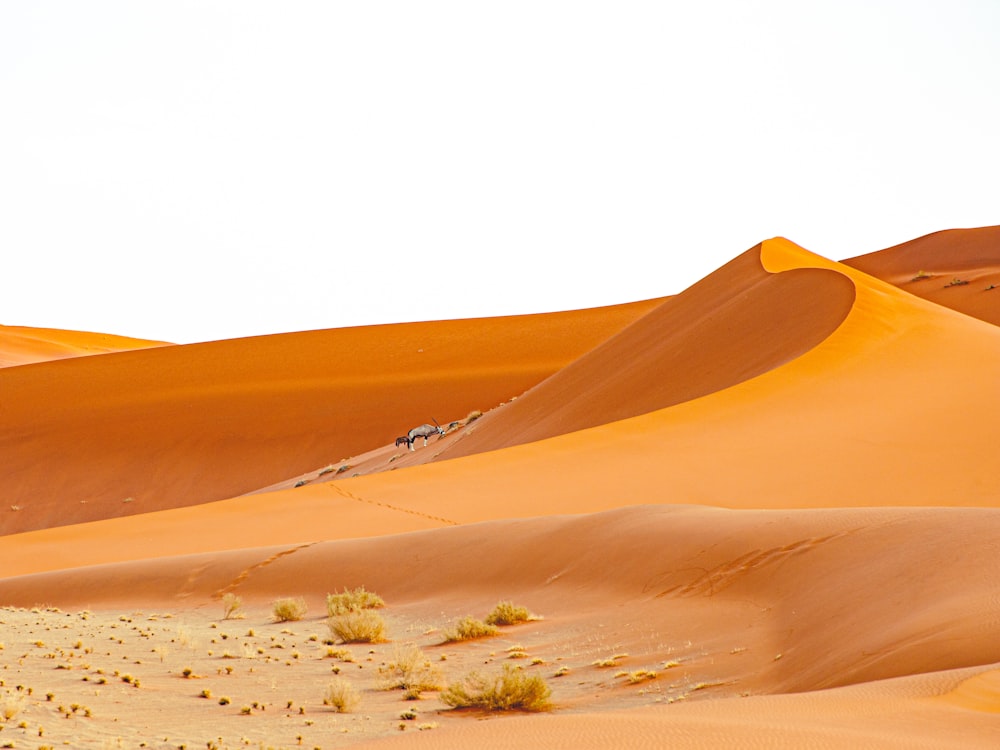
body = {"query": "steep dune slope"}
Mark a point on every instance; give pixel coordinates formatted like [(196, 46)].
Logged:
[(733, 325), (20, 345), (99, 437), (956, 268), (895, 407)]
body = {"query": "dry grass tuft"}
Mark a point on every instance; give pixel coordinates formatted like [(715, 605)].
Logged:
[(11, 704), (511, 690), (506, 613), (289, 609), (411, 671), (352, 601), (641, 675), (340, 694), (232, 607), (469, 628), (364, 626)]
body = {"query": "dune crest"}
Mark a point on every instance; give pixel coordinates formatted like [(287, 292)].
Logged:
[(737, 323)]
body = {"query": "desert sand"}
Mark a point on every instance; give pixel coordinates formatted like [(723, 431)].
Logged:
[(760, 513)]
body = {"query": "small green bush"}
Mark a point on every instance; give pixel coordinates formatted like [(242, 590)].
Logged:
[(469, 628), (289, 609), (352, 601), (511, 690), (364, 626), (505, 613)]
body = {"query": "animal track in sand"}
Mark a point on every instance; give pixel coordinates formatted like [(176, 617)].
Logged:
[(722, 576), (262, 564), (350, 496)]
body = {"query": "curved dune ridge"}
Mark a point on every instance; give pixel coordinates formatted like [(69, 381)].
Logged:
[(763, 512), (736, 324), (20, 345)]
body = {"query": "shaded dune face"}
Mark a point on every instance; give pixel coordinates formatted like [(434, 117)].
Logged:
[(100, 437), (955, 268), (737, 323)]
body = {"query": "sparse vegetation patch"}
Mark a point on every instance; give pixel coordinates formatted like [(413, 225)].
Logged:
[(364, 626), (289, 609), (506, 613), (469, 628), (411, 671), (511, 690), (232, 607), (340, 694), (352, 601)]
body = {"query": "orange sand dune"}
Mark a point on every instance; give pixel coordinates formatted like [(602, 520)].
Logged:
[(873, 415), (739, 322), (97, 437), (662, 563), (895, 407), (901, 714), (957, 268), (21, 346), (738, 602), (776, 492)]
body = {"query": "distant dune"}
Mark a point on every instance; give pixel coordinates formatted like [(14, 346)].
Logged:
[(957, 268), (762, 512), (21, 346)]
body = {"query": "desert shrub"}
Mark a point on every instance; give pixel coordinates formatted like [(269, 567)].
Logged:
[(288, 609), (511, 690), (469, 628), (641, 675), (362, 626), (231, 606), (11, 704), (340, 694), (409, 670), (505, 613), (473, 416), (352, 601)]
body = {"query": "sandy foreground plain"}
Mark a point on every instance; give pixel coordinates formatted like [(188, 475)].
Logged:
[(760, 513)]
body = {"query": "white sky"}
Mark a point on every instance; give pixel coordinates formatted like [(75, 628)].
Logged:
[(188, 171)]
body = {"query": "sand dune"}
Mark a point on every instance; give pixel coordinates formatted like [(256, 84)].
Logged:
[(736, 324), (20, 345), (957, 268), (665, 562), (92, 438), (762, 513)]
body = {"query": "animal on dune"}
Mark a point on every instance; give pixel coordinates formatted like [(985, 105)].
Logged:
[(403, 440), (423, 431)]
